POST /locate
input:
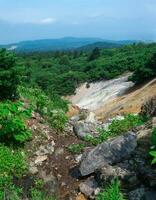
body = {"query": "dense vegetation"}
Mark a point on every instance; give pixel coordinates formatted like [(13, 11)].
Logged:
[(61, 72)]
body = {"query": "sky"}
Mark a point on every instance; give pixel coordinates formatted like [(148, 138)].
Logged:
[(108, 19)]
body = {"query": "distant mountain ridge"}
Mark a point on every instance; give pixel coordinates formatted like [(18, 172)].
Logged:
[(67, 43)]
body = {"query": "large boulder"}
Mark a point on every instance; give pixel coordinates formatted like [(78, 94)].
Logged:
[(108, 153)]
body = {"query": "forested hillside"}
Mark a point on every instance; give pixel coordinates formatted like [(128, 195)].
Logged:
[(61, 72)]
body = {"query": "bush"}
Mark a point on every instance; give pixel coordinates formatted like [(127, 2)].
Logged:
[(57, 119), (76, 148), (111, 193), (117, 127), (9, 77), (53, 108), (13, 117), (11, 193), (39, 195), (12, 164)]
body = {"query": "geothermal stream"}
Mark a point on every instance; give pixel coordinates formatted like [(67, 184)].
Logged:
[(99, 93)]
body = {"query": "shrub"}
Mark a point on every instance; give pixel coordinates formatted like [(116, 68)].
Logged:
[(76, 148), (111, 193), (39, 195), (117, 127), (13, 117), (12, 164), (9, 78), (53, 108), (57, 119), (122, 126), (11, 193)]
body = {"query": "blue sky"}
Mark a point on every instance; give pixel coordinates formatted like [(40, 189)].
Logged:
[(108, 19)]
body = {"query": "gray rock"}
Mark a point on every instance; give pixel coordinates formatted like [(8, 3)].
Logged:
[(108, 153), (154, 122), (89, 188), (137, 194), (78, 158), (81, 129), (150, 195), (108, 173), (33, 170), (91, 118), (59, 151), (51, 182)]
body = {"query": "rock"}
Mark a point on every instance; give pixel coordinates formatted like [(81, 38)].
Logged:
[(40, 159), (150, 195), (59, 151), (81, 197), (81, 129), (33, 170), (75, 118), (108, 173), (154, 122), (110, 152), (89, 187), (143, 138), (51, 182), (137, 194), (91, 118), (45, 150), (148, 174), (78, 158), (149, 108)]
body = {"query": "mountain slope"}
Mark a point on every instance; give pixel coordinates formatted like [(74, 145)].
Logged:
[(51, 44), (67, 43), (101, 45)]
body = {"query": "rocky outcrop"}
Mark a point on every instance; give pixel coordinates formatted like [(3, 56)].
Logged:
[(149, 108), (108, 153)]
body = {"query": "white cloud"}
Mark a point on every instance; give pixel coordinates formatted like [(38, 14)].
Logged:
[(47, 21)]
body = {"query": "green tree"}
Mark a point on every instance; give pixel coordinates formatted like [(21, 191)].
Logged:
[(94, 54), (147, 71), (64, 60), (9, 77)]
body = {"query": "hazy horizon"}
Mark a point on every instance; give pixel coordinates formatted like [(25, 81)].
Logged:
[(38, 19)]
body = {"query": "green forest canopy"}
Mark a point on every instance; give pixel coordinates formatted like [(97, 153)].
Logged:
[(61, 72)]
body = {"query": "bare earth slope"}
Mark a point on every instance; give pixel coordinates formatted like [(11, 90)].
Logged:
[(128, 103), (99, 93), (108, 98)]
